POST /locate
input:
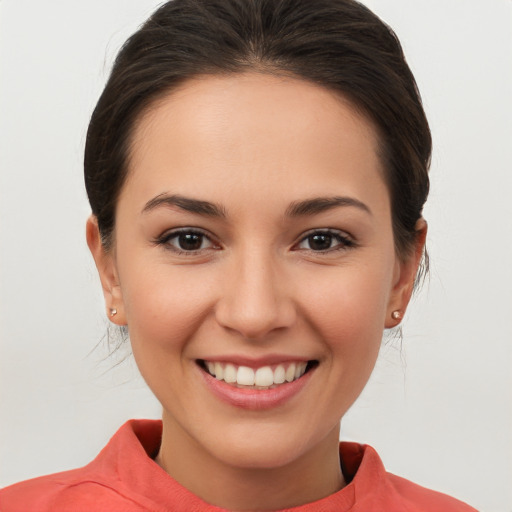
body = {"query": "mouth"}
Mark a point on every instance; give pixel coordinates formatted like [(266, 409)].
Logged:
[(259, 378)]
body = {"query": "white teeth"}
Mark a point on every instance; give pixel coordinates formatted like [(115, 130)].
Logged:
[(290, 373), (263, 377), (219, 371), (279, 375), (245, 376), (301, 368), (230, 373)]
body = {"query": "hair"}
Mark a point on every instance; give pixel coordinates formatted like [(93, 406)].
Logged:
[(338, 44)]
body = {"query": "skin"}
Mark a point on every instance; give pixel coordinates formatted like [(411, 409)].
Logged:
[(254, 145)]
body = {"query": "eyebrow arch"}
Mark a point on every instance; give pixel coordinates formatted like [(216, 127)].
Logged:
[(322, 204), (185, 203)]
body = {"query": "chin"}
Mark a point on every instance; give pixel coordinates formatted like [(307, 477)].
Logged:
[(261, 447), (259, 456)]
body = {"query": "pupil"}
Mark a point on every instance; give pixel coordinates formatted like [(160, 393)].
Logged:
[(320, 242), (190, 241)]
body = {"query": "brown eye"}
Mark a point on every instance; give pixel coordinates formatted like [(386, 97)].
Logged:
[(320, 242), (186, 241), (324, 241), (189, 241)]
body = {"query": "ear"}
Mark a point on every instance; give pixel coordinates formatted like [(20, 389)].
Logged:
[(106, 265), (404, 278)]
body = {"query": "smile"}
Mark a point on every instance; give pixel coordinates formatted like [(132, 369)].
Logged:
[(259, 387), (264, 377)]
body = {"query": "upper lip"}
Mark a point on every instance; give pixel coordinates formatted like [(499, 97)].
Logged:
[(256, 362)]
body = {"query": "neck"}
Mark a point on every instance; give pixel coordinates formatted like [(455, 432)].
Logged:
[(314, 475)]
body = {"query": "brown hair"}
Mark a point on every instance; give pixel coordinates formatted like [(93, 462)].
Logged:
[(338, 44)]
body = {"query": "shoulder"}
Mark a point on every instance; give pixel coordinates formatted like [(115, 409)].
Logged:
[(70, 490), (418, 498), (376, 489), (105, 484)]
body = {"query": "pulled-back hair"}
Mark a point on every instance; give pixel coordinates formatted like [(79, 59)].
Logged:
[(337, 44)]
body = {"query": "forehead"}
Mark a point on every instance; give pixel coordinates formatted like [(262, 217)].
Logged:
[(252, 131)]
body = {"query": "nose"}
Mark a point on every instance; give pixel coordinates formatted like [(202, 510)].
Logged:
[(256, 300)]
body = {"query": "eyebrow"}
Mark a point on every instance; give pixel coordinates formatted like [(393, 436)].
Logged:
[(185, 203), (306, 207), (321, 204)]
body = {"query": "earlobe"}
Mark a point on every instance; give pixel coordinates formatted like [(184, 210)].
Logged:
[(405, 277), (105, 264)]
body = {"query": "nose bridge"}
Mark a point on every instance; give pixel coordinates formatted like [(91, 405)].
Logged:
[(255, 300)]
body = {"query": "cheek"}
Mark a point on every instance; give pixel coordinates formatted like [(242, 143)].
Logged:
[(165, 304), (347, 307), (164, 308)]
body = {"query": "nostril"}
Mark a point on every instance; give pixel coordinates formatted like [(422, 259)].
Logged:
[(252, 306)]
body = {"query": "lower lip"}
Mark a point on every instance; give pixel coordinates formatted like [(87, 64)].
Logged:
[(256, 399)]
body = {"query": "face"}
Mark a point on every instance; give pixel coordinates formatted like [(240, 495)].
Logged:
[(254, 264)]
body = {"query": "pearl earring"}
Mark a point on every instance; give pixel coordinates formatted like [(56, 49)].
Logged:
[(396, 315), (113, 312)]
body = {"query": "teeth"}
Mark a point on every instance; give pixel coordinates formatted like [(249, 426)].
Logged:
[(219, 371), (279, 374), (230, 373), (263, 377), (301, 368), (245, 376), (290, 373)]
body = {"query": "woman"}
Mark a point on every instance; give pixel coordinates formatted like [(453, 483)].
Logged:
[(257, 172)]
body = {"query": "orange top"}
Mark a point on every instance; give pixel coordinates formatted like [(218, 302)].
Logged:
[(124, 478)]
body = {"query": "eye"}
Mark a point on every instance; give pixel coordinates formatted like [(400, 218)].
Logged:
[(186, 241), (325, 240)]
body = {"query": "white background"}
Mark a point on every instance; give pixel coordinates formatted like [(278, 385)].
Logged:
[(439, 410)]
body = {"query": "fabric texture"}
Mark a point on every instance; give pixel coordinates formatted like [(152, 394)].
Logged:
[(124, 478)]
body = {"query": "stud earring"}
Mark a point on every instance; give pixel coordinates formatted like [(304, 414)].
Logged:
[(113, 311), (396, 315)]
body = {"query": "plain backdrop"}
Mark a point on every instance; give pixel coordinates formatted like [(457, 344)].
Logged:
[(438, 407)]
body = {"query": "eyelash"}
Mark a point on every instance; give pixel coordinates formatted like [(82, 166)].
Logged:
[(165, 240), (344, 241)]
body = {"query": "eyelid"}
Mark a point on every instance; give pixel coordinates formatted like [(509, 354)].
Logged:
[(169, 234), (347, 240)]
